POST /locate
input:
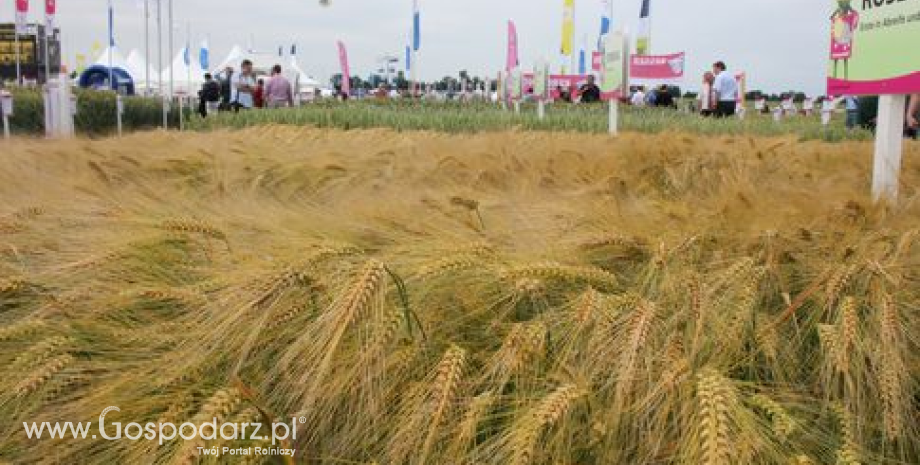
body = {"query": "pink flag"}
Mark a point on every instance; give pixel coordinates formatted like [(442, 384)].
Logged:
[(346, 75), (50, 10), (22, 15), (512, 47)]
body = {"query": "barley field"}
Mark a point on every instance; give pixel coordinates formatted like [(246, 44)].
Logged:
[(430, 298)]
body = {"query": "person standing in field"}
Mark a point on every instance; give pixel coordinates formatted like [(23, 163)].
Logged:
[(208, 95), (913, 115), (278, 91), (226, 88), (852, 107), (638, 98), (243, 85), (590, 93), (258, 94), (707, 95), (726, 89), (913, 111)]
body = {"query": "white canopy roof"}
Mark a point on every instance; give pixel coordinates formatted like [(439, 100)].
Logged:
[(136, 65), (306, 81), (117, 59), (233, 59), (187, 78)]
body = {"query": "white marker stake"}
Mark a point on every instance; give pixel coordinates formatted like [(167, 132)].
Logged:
[(6, 109), (517, 107), (614, 119), (119, 109), (889, 145), (541, 109)]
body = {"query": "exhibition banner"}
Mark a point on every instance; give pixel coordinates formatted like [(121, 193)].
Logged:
[(873, 47)]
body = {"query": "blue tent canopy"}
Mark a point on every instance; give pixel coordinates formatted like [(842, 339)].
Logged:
[(97, 77)]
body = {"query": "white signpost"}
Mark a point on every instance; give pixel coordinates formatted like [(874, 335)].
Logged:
[(889, 144), (616, 75), (6, 108), (517, 89), (541, 87), (873, 51), (59, 108)]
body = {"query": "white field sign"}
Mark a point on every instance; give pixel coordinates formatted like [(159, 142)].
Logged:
[(616, 74), (873, 51)]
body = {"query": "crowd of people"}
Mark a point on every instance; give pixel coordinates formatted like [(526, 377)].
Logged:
[(719, 95), (232, 91)]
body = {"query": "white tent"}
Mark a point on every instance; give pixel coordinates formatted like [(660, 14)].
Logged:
[(136, 66), (306, 82), (186, 78), (117, 59), (233, 59)]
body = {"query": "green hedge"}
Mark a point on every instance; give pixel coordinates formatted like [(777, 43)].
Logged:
[(95, 113)]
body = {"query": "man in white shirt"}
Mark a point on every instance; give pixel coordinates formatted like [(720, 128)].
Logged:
[(241, 86), (638, 99), (726, 89)]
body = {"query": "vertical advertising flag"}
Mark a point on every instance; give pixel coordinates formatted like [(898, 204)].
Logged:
[(50, 11), (568, 27), (111, 25), (644, 38), (605, 23), (582, 62), (346, 74), (408, 58), (416, 26), (204, 56), (22, 15), (512, 59), (293, 50)]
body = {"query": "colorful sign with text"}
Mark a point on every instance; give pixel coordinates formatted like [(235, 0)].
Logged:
[(874, 47)]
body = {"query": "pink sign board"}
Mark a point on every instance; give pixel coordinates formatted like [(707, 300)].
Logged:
[(664, 67), (650, 67)]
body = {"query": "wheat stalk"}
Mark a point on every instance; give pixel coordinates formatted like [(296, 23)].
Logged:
[(716, 400), (563, 273), (549, 411), (782, 423), (444, 390), (41, 375)]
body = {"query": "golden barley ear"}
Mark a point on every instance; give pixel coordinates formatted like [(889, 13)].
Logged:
[(529, 427)]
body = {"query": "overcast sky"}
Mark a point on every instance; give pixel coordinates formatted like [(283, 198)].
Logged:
[(782, 44)]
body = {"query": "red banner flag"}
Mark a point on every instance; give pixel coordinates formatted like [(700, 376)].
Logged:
[(50, 10), (22, 15), (346, 74)]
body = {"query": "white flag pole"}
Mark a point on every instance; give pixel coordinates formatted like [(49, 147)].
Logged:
[(147, 47), (18, 57), (171, 33)]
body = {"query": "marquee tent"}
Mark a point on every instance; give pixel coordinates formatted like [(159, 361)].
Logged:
[(136, 64), (186, 77)]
